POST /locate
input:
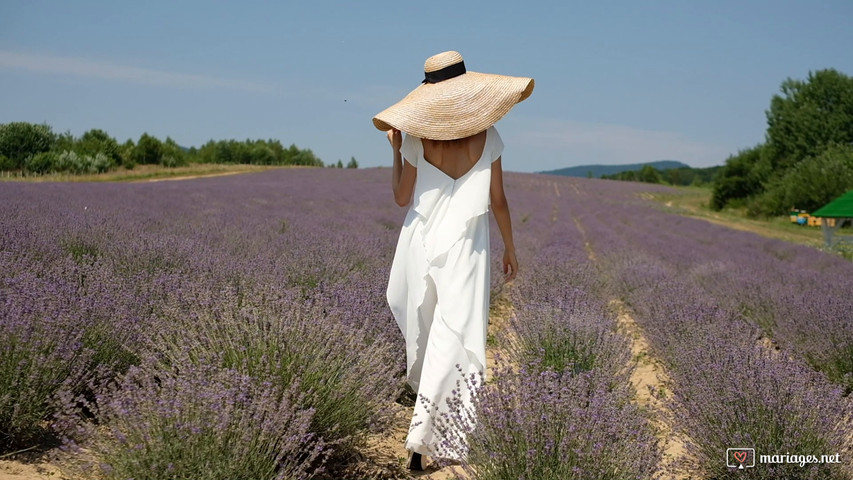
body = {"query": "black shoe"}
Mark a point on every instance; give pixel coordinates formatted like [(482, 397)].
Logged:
[(415, 462)]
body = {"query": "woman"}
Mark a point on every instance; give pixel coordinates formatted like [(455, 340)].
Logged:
[(447, 169)]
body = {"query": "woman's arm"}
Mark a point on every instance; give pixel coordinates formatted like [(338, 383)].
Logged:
[(500, 208), (403, 174)]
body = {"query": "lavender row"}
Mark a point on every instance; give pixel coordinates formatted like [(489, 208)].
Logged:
[(729, 388), (797, 296), (701, 315)]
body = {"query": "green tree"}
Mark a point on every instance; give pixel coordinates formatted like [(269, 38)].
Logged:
[(740, 178), (41, 163), (808, 116), (649, 174), (263, 155), (673, 176), (810, 184), (353, 163), (21, 140), (97, 141), (148, 150), (340, 164), (173, 154), (126, 153), (64, 142)]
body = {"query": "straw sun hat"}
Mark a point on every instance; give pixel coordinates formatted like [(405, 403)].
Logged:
[(453, 103)]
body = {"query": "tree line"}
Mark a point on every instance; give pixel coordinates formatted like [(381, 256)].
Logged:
[(681, 176), (35, 149), (806, 159)]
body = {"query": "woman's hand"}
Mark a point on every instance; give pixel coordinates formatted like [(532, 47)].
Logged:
[(510, 265), (395, 138)]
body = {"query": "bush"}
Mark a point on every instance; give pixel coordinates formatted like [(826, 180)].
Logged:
[(97, 141), (148, 150), (69, 162), (6, 163), (20, 140), (263, 155), (173, 154), (778, 406), (565, 342), (547, 426), (206, 422), (45, 355), (42, 163), (740, 178), (346, 378), (810, 184)]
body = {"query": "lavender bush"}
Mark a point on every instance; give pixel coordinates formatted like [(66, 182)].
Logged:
[(540, 424), (204, 422), (555, 339), (345, 377), (50, 347)]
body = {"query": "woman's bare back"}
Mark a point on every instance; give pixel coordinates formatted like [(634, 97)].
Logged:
[(455, 157)]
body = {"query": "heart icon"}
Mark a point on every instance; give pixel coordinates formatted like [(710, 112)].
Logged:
[(740, 456)]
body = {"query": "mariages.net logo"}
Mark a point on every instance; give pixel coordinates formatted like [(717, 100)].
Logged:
[(742, 458)]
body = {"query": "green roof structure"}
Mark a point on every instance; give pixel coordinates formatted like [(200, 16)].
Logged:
[(841, 207)]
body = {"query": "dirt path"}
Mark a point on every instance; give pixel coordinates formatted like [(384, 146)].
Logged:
[(17, 470), (187, 177), (648, 378)]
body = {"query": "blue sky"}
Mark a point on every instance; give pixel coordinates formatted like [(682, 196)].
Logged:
[(616, 81)]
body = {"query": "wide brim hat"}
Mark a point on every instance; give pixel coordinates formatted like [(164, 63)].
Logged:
[(452, 102)]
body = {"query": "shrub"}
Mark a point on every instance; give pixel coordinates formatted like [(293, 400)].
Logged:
[(41, 163), (20, 140), (43, 355), (148, 150), (204, 421), (6, 163), (173, 154), (741, 177), (547, 426), (346, 378), (765, 401), (97, 141), (567, 342), (71, 162), (810, 184), (100, 163)]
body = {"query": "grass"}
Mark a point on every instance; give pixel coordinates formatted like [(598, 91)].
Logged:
[(143, 173), (694, 201)]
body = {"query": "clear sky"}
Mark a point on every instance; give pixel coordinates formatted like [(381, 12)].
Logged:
[(616, 81)]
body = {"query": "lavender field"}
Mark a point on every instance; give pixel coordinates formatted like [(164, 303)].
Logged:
[(236, 327)]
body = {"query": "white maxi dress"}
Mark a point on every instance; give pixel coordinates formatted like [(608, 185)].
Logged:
[(438, 289)]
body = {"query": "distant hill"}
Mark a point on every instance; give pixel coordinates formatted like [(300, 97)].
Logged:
[(596, 171)]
